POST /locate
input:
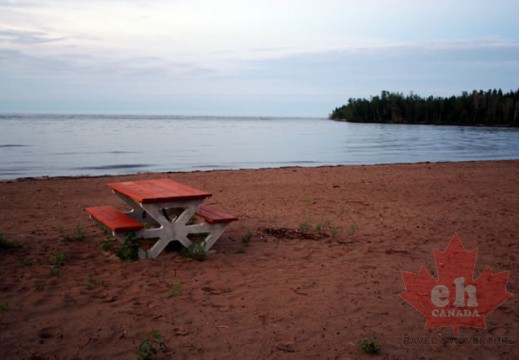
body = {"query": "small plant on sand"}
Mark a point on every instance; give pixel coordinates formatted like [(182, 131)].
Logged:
[(247, 238), (60, 230), (333, 233), (304, 226), (147, 349), (130, 249), (194, 251), (370, 345), (6, 244), (175, 290), (25, 261), (107, 244), (4, 307), (78, 235), (59, 259), (318, 228), (353, 228), (38, 286), (240, 251), (93, 282)]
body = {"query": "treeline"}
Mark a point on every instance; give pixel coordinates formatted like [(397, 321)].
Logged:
[(491, 108)]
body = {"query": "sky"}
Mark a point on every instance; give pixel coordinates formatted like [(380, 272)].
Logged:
[(247, 57)]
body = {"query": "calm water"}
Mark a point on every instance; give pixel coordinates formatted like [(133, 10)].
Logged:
[(38, 145)]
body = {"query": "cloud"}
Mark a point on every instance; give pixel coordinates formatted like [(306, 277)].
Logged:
[(97, 67), (26, 37)]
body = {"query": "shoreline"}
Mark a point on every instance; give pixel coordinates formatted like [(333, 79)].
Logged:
[(290, 293), (165, 173)]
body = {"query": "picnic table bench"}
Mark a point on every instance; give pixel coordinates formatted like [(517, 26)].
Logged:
[(150, 217)]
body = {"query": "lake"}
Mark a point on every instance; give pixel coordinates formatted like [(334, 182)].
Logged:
[(70, 145)]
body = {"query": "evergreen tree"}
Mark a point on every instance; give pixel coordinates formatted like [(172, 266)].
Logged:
[(491, 108)]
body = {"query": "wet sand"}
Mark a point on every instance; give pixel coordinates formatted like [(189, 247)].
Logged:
[(290, 294)]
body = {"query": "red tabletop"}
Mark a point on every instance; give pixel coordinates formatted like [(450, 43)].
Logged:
[(158, 190)]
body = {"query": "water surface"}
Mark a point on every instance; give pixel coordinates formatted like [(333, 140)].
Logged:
[(63, 145)]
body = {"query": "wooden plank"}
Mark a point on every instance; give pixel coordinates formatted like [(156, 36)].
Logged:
[(214, 215), (158, 190), (114, 219)]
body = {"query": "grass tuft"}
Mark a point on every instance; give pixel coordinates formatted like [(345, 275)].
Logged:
[(353, 228), (370, 345), (4, 307), (247, 238), (78, 235), (147, 349), (130, 249), (194, 251), (304, 226), (59, 259), (38, 286), (6, 244), (175, 290)]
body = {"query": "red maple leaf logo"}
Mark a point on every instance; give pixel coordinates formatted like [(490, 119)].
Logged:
[(455, 299)]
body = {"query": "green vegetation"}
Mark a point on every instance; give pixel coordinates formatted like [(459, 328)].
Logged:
[(107, 244), (147, 350), (194, 251), (240, 251), (4, 307), (353, 228), (93, 281), (130, 249), (77, 235), (175, 290), (247, 238), (38, 286), (370, 345), (304, 226), (320, 228), (25, 261), (6, 244), (59, 259), (490, 108)]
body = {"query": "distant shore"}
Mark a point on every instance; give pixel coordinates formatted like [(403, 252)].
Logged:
[(476, 108), (322, 270), (424, 123)]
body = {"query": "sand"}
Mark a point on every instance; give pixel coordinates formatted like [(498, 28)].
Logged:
[(287, 295)]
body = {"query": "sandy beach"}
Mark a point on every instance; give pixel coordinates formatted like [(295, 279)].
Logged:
[(291, 294)]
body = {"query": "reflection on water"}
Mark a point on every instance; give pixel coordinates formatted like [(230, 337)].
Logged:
[(38, 145)]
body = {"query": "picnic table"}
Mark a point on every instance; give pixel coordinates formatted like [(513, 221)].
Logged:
[(162, 209)]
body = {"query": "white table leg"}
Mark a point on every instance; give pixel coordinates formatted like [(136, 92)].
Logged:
[(214, 231), (168, 231), (174, 230)]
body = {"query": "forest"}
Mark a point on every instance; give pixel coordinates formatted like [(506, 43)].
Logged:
[(490, 108)]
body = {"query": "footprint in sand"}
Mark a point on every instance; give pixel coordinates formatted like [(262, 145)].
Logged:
[(50, 332)]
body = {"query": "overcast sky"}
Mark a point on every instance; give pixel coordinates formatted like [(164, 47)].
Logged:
[(241, 57)]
